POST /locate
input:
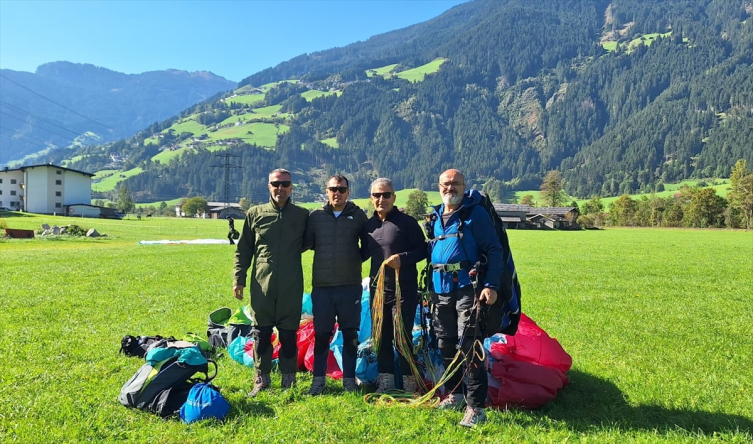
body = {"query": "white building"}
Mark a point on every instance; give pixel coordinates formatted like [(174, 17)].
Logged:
[(44, 188)]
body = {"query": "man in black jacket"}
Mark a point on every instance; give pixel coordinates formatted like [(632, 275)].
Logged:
[(395, 239), (333, 232)]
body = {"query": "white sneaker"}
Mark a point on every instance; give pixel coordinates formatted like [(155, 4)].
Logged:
[(452, 402), (473, 416)]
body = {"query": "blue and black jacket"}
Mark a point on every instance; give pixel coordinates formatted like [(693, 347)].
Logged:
[(464, 246)]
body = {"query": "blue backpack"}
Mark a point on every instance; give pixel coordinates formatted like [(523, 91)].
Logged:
[(204, 402)]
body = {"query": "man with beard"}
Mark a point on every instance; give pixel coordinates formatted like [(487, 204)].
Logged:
[(456, 246), (272, 238), (333, 233), (395, 239)]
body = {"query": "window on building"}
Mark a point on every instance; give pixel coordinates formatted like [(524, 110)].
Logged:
[(1, 180), (1, 192), (58, 193), (13, 181), (58, 182), (58, 172), (58, 205), (12, 192)]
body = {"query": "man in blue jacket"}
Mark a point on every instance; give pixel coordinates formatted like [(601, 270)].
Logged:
[(456, 246)]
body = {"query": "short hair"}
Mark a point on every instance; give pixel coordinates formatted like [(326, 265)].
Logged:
[(381, 181), (340, 178), (281, 171)]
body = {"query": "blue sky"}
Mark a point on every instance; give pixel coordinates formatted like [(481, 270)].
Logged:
[(233, 39)]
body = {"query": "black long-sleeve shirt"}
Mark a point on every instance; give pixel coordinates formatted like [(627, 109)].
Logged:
[(398, 234)]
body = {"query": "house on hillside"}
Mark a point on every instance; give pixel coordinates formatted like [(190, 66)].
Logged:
[(513, 216), (45, 189)]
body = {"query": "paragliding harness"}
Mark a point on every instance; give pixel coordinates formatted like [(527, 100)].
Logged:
[(504, 315)]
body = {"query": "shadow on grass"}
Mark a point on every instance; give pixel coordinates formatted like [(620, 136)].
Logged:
[(590, 401), (250, 408)]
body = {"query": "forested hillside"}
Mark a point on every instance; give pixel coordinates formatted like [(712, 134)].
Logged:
[(64, 103), (618, 96)]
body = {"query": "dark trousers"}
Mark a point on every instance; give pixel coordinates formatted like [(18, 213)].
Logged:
[(454, 320), (386, 355), (343, 305), (288, 356)]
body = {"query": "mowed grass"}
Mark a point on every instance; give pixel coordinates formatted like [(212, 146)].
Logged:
[(418, 73), (657, 322), (110, 182)]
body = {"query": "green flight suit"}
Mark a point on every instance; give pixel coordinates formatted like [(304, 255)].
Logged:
[(272, 239)]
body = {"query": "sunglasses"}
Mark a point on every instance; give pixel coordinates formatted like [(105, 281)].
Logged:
[(385, 195), (284, 183), (342, 190)]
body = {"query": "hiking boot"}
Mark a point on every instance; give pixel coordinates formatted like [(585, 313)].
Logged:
[(349, 385), (409, 384), (262, 382), (317, 385), (473, 416), (288, 380), (451, 402), (385, 382)]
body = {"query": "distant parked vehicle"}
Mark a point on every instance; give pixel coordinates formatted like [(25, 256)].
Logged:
[(5, 209)]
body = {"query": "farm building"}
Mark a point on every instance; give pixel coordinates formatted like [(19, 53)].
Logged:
[(526, 216), (44, 189), (217, 210)]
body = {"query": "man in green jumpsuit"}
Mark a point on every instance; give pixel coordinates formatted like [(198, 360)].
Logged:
[(272, 238)]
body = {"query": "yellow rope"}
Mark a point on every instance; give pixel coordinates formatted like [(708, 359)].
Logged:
[(404, 347)]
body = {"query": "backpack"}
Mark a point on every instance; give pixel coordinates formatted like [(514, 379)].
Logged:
[(162, 387), (139, 345), (204, 402), (504, 315), (224, 325)]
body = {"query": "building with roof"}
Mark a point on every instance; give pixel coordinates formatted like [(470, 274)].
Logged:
[(526, 216), (44, 189)]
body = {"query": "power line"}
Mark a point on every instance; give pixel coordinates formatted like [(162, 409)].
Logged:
[(24, 136), (56, 103), (40, 118), (36, 126)]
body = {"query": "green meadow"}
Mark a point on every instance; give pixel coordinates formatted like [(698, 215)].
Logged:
[(110, 182), (657, 322)]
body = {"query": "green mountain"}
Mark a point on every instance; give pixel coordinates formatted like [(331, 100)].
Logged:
[(64, 103), (619, 96)]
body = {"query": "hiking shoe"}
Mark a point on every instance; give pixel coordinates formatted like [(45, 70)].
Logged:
[(451, 402), (317, 385), (288, 380), (349, 385), (385, 382), (473, 416), (262, 382), (409, 384)]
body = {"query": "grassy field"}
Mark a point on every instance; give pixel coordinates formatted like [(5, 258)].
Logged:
[(418, 73), (110, 182), (657, 322)]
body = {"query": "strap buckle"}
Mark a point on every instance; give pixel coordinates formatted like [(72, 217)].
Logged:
[(448, 268)]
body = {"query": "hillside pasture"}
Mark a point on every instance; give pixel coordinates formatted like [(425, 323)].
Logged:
[(263, 134), (246, 99), (110, 182), (651, 364), (418, 73), (384, 71), (314, 93)]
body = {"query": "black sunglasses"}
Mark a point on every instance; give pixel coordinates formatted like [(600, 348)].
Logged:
[(342, 190), (386, 195), (284, 183)]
